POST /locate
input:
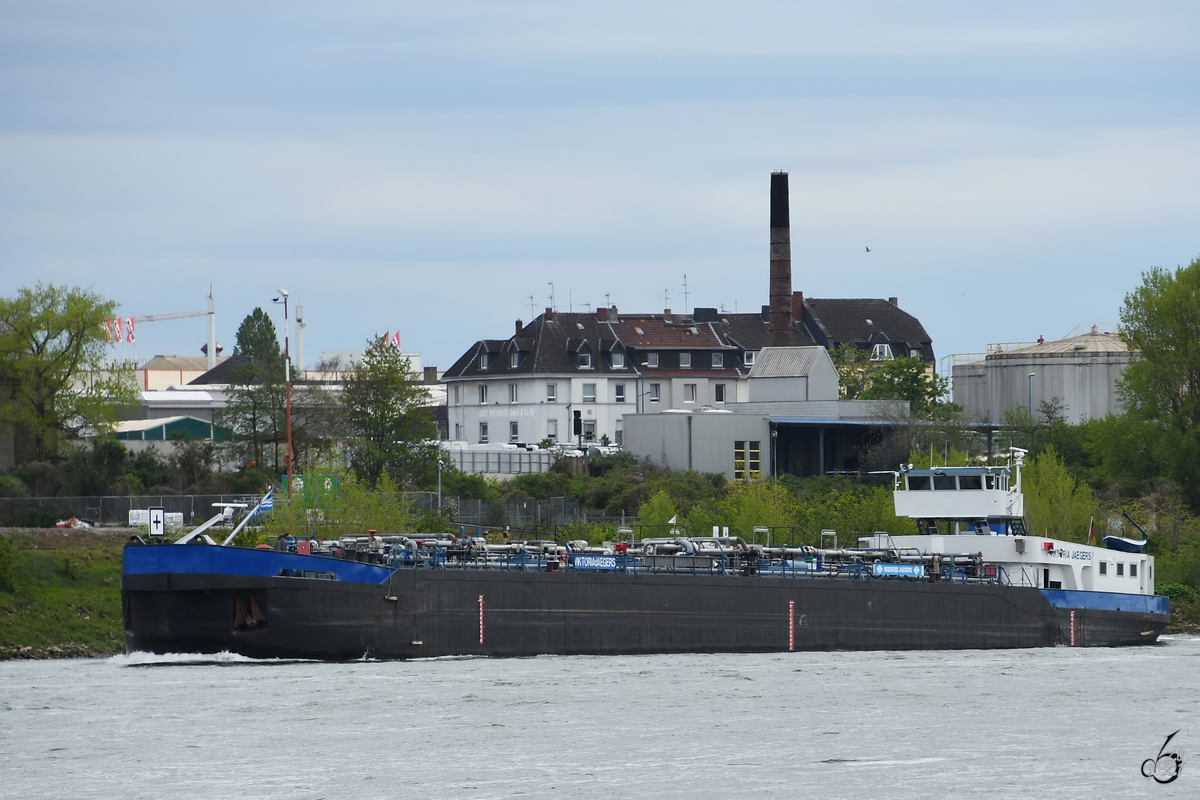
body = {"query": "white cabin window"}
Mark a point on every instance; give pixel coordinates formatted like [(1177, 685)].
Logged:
[(1133, 570), (1120, 568), (1103, 567)]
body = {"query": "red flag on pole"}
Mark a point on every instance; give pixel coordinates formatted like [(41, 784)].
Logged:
[(119, 329), (129, 329), (396, 340)]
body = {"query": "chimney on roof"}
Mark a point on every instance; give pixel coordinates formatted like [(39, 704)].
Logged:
[(612, 315), (798, 306), (430, 375), (894, 301), (667, 315), (520, 327), (602, 314), (549, 313), (779, 328)]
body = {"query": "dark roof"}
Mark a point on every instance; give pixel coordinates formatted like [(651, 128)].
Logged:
[(554, 342), (861, 321), (231, 370)]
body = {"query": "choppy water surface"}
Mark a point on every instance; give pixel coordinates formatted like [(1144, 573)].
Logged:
[(900, 725)]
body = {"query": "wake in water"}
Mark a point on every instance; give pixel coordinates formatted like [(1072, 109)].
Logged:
[(222, 659)]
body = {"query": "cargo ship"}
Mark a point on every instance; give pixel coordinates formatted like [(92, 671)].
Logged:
[(972, 577)]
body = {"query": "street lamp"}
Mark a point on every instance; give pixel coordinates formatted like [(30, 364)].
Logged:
[(287, 382), (1030, 381), (642, 387)]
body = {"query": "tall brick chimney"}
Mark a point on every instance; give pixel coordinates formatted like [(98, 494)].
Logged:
[(779, 326)]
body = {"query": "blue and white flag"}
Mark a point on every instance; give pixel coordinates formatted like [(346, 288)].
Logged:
[(268, 502)]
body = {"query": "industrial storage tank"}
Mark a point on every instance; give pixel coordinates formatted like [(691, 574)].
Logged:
[(1078, 372)]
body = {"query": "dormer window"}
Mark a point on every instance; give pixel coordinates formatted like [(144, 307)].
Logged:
[(651, 359), (685, 360), (718, 360), (483, 361), (882, 352), (585, 360), (618, 360), (748, 358), (514, 359)]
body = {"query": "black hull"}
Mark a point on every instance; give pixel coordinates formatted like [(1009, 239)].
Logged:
[(425, 613)]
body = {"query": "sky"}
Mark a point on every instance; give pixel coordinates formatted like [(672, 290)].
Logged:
[(441, 169)]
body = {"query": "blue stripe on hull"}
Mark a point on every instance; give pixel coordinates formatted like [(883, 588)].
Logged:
[(1107, 601), (209, 560)]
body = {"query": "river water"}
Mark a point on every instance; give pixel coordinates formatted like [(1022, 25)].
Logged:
[(1076, 722)]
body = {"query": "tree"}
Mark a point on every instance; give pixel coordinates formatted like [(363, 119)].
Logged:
[(902, 379), (257, 338), (52, 373), (1160, 322), (389, 430)]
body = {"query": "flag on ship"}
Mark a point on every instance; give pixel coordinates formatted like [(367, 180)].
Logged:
[(1092, 531)]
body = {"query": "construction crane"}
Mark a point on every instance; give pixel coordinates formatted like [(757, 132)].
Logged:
[(211, 348)]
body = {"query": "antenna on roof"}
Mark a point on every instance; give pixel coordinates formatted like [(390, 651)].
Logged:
[(607, 301), (685, 294), (532, 308), (551, 295), (666, 298)]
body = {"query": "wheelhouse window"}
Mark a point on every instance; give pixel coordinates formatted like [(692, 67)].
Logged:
[(970, 481), (589, 393), (1133, 570), (944, 483), (1120, 568), (919, 483), (1103, 567)]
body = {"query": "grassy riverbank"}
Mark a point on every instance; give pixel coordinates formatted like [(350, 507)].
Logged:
[(60, 593)]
